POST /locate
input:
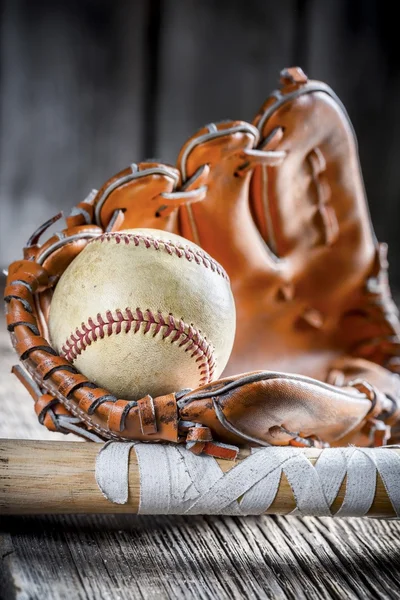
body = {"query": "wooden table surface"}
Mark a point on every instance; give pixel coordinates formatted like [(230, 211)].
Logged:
[(127, 557)]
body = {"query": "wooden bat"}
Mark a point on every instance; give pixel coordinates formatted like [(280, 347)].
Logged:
[(59, 477)]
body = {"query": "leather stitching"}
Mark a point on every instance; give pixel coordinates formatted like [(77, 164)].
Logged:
[(199, 257), (187, 337)]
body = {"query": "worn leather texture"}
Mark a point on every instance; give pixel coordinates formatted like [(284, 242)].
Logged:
[(280, 204)]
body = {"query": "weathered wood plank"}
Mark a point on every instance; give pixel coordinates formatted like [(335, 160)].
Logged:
[(72, 79), (203, 557)]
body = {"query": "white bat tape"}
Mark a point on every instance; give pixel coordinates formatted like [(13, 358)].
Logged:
[(173, 480)]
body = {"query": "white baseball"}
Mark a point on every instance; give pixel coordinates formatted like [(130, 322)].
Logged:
[(144, 311)]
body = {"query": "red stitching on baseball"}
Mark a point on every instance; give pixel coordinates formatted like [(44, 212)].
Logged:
[(188, 337), (200, 257)]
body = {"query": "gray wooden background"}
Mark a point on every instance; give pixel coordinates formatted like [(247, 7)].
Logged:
[(88, 86)]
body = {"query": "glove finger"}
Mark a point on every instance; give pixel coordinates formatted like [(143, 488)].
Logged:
[(222, 223), (312, 208), (141, 192)]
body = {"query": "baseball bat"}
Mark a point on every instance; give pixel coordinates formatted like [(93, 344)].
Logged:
[(38, 477)]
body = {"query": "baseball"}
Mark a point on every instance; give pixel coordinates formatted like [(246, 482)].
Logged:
[(143, 311)]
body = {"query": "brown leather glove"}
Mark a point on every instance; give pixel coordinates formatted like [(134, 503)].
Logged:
[(281, 205)]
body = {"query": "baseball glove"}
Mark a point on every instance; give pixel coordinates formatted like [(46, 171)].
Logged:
[(280, 203)]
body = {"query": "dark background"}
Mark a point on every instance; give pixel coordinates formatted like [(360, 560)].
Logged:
[(89, 86)]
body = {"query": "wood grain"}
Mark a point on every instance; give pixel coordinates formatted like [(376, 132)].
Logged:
[(125, 557)]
